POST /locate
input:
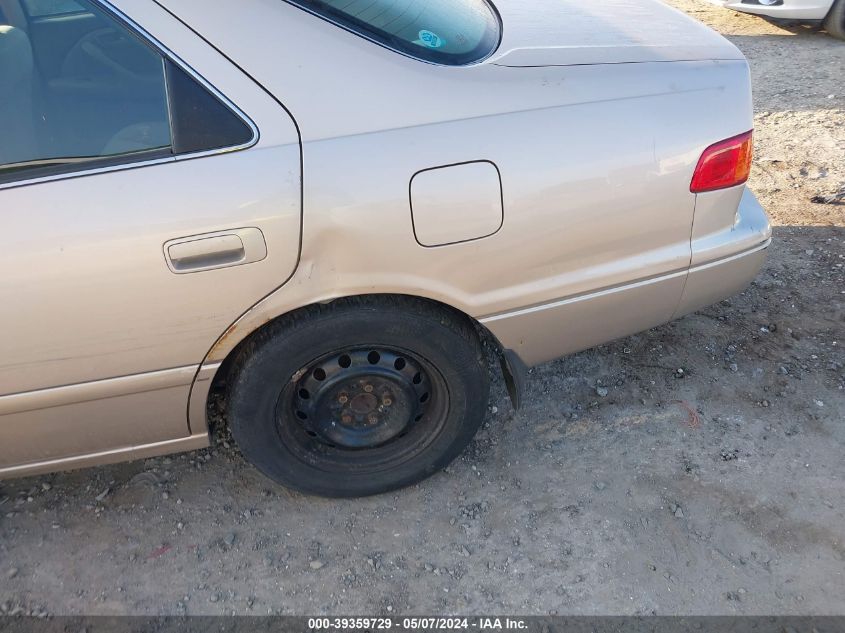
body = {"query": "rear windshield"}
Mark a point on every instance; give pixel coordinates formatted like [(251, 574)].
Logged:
[(451, 32)]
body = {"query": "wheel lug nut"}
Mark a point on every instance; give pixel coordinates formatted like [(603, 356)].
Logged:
[(343, 399), (373, 418), (387, 402), (368, 388)]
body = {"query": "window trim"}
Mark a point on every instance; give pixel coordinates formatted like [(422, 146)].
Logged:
[(108, 164), (350, 28)]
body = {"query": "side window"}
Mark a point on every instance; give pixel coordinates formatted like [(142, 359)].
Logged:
[(83, 92)]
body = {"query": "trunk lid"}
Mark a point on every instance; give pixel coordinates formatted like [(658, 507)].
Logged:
[(583, 32)]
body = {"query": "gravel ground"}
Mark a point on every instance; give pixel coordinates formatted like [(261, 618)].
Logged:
[(693, 469)]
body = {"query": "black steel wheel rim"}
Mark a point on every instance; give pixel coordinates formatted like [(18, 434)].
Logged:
[(362, 409)]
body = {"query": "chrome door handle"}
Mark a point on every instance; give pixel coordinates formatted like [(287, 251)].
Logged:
[(211, 251)]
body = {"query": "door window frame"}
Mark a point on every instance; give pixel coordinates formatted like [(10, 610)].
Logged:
[(110, 164)]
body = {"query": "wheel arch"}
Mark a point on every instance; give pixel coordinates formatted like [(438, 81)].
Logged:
[(213, 374)]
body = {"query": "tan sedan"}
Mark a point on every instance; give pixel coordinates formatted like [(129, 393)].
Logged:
[(335, 209)]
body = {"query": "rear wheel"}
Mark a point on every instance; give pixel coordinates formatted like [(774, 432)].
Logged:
[(360, 396), (834, 24)]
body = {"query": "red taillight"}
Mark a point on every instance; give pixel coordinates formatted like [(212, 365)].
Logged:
[(725, 164)]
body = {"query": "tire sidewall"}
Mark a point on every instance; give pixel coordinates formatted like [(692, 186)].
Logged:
[(272, 364), (835, 22)]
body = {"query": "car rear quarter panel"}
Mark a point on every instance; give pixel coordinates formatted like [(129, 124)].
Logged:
[(595, 161), (596, 196)]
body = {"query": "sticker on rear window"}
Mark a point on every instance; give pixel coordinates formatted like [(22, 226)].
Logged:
[(429, 39)]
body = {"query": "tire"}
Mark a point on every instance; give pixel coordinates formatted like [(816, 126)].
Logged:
[(834, 24), (360, 396)]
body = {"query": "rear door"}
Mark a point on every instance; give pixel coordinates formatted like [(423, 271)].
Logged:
[(154, 198)]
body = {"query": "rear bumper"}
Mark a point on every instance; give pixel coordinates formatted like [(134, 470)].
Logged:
[(725, 263), (710, 283), (789, 10)]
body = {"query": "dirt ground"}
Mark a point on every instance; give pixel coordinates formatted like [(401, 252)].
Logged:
[(709, 479)]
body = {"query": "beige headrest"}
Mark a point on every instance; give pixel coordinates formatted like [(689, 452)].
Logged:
[(15, 55)]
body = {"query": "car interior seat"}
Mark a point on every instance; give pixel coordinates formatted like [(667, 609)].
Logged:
[(18, 143), (30, 128)]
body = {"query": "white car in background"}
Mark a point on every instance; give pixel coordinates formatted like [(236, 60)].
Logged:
[(829, 12)]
